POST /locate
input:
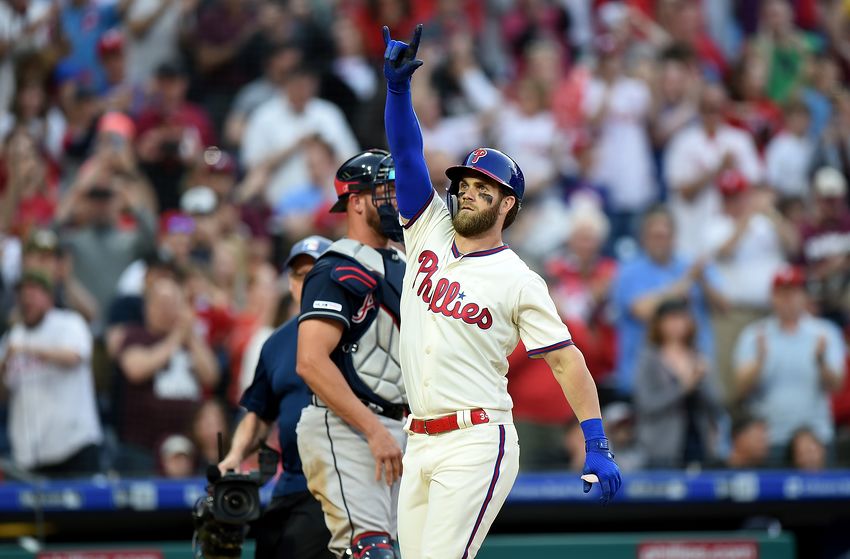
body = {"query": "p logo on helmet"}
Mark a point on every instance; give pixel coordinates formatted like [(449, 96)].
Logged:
[(477, 154)]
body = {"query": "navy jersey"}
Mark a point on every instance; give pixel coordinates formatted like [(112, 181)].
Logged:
[(278, 393), (367, 304)]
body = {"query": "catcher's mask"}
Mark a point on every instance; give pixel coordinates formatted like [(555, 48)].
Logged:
[(366, 171)]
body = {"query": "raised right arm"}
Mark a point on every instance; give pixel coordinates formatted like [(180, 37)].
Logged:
[(413, 185)]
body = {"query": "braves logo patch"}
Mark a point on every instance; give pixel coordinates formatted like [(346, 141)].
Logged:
[(477, 154), (360, 315)]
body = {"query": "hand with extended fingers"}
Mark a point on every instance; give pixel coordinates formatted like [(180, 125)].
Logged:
[(400, 60)]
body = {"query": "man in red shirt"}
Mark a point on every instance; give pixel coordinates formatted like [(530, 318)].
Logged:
[(166, 368), (826, 244), (171, 134)]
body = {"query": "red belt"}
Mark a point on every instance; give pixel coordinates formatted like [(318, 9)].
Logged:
[(446, 423)]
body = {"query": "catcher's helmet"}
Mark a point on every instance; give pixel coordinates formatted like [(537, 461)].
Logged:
[(362, 172), (492, 164)]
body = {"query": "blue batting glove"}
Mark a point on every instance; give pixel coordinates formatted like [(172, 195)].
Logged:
[(400, 60), (599, 460)]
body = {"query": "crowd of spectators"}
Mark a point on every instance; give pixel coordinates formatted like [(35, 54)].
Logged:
[(686, 166)]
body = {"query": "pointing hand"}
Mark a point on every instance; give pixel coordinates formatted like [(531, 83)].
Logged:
[(400, 59)]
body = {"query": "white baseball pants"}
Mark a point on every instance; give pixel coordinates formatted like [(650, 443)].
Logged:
[(453, 486)]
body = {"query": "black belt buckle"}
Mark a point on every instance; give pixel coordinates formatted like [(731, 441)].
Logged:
[(396, 411)]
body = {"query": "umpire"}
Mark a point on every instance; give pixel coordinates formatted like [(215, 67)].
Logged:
[(292, 526)]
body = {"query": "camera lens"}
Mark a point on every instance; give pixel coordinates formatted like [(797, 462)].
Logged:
[(235, 502)]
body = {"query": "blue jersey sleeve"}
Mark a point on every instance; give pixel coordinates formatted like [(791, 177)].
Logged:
[(323, 296), (623, 291), (259, 397), (413, 185)]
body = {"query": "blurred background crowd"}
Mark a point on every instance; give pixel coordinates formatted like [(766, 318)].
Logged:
[(686, 165)]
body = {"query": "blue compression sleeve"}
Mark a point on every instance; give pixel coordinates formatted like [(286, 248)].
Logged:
[(412, 184)]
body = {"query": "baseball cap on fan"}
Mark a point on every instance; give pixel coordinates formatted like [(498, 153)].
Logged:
[(177, 444), (789, 276), (829, 183), (115, 122), (314, 246), (618, 412), (198, 200), (732, 182), (43, 240), (38, 279), (170, 70), (112, 42)]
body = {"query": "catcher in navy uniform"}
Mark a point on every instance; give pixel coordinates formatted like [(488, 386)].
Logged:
[(351, 437)]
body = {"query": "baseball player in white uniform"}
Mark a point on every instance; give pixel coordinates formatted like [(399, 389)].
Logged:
[(466, 301)]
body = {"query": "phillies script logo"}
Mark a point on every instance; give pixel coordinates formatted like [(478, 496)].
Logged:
[(478, 154), (442, 297)]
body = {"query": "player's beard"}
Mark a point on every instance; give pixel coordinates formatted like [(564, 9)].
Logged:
[(373, 220), (474, 223)]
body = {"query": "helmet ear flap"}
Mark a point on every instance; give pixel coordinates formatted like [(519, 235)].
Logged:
[(451, 199)]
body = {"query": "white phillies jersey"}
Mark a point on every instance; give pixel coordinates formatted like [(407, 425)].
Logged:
[(462, 315)]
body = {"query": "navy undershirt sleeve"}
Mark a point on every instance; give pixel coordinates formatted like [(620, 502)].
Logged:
[(413, 186), (259, 397)]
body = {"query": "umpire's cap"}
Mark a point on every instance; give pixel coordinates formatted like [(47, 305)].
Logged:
[(362, 172), (314, 245), (493, 165)]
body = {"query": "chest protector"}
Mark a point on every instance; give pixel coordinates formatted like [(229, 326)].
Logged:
[(371, 350)]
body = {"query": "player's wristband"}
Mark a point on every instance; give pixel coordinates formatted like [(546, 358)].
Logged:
[(398, 87), (592, 429)]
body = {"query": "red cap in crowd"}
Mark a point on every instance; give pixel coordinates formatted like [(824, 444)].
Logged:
[(791, 276), (112, 42), (582, 141), (732, 182), (115, 122)]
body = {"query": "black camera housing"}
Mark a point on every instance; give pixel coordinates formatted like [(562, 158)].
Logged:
[(236, 498), (221, 518)]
